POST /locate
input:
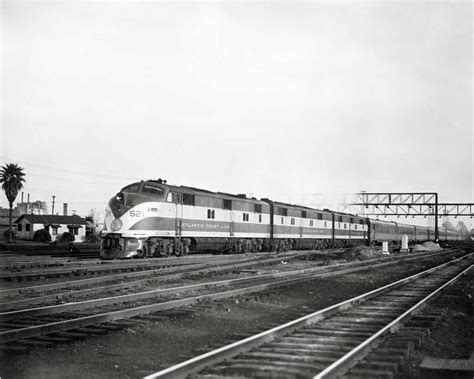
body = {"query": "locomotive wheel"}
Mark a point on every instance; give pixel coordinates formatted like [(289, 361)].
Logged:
[(247, 246), (167, 249), (254, 246), (281, 246), (155, 248), (186, 242), (292, 245), (227, 246), (241, 246), (178, 248), (146, 250), (140, 252), (160, 248)]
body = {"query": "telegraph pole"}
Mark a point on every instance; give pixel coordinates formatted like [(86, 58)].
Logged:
[(54, 197)]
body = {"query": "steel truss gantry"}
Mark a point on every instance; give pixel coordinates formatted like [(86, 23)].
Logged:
[(410, 204)]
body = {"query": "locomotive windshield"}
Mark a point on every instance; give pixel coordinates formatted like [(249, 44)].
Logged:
[(145, 187), (132, 188), (153, 189)]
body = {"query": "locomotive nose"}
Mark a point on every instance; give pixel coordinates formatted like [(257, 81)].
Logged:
[(116, 225), (117, 204)]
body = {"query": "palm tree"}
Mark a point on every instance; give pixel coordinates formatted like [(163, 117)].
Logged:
[(11, 177)]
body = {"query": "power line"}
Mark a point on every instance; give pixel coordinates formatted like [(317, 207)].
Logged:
[(68, 170), (62, 178)]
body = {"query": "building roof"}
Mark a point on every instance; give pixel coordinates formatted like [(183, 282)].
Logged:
[(52, 219)]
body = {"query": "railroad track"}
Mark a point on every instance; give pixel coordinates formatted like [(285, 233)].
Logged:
[(78, 290), (14, 268), (14, 263), (52, 322), (129, 277), (333, 342), (121, 283), (66, 269), (17, 263)]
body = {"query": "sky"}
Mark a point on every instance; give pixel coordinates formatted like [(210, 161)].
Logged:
[(273, 99)]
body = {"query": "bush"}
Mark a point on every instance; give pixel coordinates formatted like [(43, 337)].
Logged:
[(92, 238), (66, 237), (42, 235), (6, 234)]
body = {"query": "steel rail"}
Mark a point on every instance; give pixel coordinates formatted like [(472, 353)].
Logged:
[(58, 263), (304, 274), (7, 260), (66, 262), (108, 278), (70, 271), (200, 362), (32, 331), (88, 291), (345, 362), (101, 267), (7, 266), (10, 261)]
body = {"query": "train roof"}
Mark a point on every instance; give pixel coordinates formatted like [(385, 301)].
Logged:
[(339, 213), (282, 204), (239, 197), (224, 195)]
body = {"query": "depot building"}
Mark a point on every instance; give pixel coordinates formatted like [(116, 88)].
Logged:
[(28, 224)]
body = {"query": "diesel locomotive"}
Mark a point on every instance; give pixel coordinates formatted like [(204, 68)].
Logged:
[(152, 219)]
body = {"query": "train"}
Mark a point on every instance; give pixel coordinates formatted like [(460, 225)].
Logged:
[(151, 218)]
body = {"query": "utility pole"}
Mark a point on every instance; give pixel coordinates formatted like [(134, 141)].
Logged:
[(54, 197), (436, 218)]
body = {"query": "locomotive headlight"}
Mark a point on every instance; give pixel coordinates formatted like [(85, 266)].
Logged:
[(119, 197), (116, 225)]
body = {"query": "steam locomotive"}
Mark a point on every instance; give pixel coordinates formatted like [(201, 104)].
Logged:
[(153, 219)]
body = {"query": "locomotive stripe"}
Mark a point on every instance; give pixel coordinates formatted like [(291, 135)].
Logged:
[(188, 225), (317, 232), (154, 223), (250, 228)]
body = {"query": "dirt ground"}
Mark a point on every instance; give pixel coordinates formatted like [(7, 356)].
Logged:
[(148, 346)]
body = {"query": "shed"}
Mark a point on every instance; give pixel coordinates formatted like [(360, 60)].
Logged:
[(28, 224)]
